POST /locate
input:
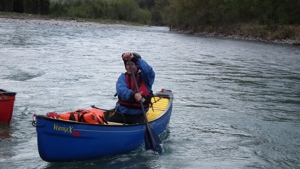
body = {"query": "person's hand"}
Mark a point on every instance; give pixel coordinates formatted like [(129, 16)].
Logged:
[(127, 55), (138, 96)]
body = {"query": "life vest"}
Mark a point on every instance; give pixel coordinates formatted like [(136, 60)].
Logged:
[(91, 116), (142, 89)]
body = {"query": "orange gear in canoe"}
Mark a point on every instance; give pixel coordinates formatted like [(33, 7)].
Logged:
[(91, 116)]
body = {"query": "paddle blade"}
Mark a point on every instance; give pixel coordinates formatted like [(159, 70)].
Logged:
[(147, 141), (152, 141)]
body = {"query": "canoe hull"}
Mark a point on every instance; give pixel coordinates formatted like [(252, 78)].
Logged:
[(60, 141), (7, 100)]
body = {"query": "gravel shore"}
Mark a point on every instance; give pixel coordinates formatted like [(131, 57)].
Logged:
[(59, 22)]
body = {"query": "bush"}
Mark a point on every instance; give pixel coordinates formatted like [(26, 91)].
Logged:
[(126, 10)]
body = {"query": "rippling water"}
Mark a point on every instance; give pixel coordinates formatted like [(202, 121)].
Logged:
[(237, 103)]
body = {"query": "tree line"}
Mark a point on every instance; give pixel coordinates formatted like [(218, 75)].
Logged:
[(25, 6), (197, 14), (125, 10)]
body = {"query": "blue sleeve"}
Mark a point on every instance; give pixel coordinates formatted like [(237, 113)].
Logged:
[(147, 73)]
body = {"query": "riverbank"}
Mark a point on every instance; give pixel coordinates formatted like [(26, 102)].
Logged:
[(60, 22), (4, 16), (277, 34), (283, 34)]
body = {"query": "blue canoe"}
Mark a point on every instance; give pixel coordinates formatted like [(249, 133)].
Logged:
[(64, 140)]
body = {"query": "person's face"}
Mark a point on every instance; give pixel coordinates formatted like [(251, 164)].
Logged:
[(127, 67)]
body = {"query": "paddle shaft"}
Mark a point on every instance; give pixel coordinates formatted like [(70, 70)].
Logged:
[(142, 106)]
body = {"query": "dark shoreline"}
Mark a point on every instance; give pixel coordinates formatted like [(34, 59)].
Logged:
[(240, 37), (102, 23)]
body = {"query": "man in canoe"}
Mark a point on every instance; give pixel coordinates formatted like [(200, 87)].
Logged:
[(128, 107)]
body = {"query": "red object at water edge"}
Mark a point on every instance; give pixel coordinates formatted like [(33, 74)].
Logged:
[(7, 100)]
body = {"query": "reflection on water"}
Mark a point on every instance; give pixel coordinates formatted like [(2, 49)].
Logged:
[(236, 103), (4, 131)]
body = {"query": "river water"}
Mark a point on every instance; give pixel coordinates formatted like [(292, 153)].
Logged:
[(237, 103)]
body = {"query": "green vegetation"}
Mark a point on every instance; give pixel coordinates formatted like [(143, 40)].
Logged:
[(267, 19), (25, 6), (126, 10), (201, 13), (264, 19)]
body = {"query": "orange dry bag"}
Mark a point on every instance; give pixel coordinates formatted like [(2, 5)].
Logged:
[(91, 116), (94, 116)]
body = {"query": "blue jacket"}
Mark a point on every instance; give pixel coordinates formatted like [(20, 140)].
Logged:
[(147, 75)]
